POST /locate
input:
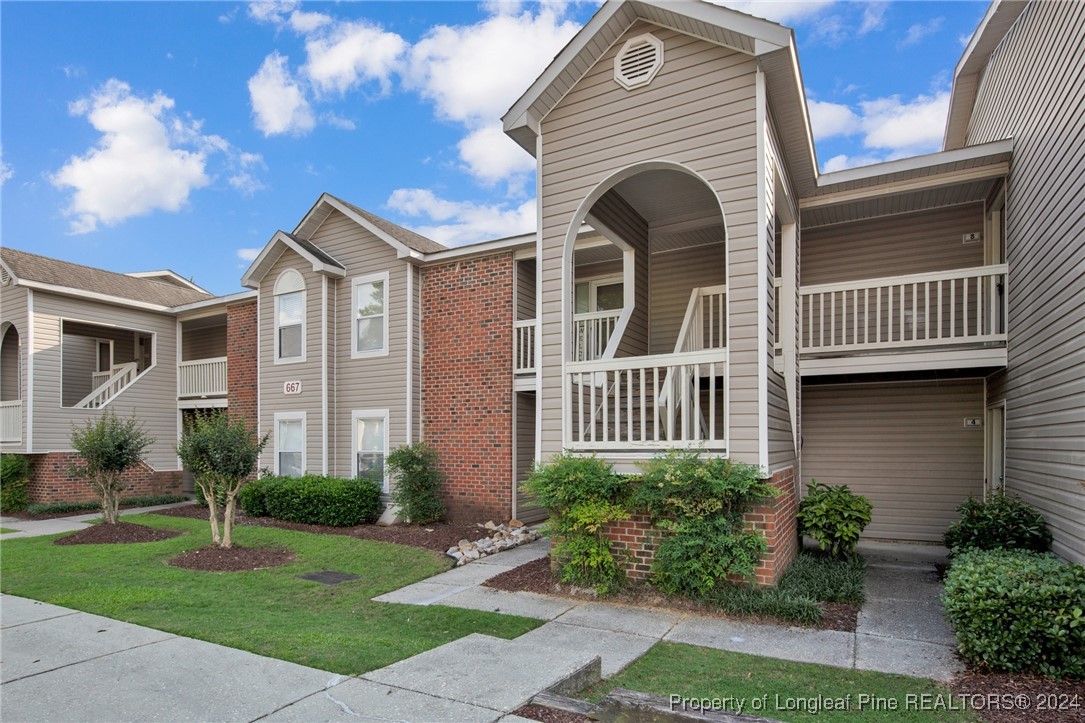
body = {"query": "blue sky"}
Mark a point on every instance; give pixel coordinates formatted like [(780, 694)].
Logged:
[(181, 135)]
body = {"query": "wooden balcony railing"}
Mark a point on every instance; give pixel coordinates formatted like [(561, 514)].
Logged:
[(960, 306), (523, 346), (202, 378), (592, 332), (11, 421)]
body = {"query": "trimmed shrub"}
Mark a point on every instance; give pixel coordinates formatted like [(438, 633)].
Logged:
[(417, 486), (313, 500), (834, 516), (109, 447), (14, 482), (1018, 611), (583, 494), (57, 507), (999, 523)]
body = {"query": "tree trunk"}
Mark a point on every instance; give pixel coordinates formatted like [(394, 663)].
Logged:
[(228, 520), (208, 491), (109, 500)]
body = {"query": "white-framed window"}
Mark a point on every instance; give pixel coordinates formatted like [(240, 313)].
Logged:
[(369, 316), (289, 317), (602, 294), (369, 440), (290, 444)]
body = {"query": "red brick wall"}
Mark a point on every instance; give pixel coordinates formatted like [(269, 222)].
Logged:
[(775, 520), (467, 382), (50, 481), (241, 353)]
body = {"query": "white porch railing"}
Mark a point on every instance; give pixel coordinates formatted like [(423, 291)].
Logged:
[(123, 375), (613, 404), (592, 332), (97, 379), (523, 346), (898, 312), (11, 421), (705, 323), (203, 378)]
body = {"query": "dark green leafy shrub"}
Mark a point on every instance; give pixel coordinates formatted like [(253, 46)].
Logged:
[(826, 579), (313, 500), (417, 486), (834, 516), (772, 602), (108, 447), (583, 494), (999, 523), (1018, 611), (698, 503), (14, 482)]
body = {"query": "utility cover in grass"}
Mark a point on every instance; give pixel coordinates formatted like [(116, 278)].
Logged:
[(328, 577)]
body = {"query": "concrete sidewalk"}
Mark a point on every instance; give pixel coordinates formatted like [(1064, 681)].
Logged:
[(57, 525)]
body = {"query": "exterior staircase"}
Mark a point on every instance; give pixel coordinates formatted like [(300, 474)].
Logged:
[(122, 376)]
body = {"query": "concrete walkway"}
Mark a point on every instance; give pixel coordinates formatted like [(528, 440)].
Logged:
[(57, 525), (900, 628)]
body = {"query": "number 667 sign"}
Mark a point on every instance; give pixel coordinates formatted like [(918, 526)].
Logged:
[(292, 387)]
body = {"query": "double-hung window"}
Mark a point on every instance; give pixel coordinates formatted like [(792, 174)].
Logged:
[(369, 308), (370, 443), (289, 317), (290, 444)]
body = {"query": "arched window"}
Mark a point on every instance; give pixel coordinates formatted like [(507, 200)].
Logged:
[(289, 317)]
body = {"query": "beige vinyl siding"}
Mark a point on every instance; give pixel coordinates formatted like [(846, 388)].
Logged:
[(699, 111), (1033, 90), (13, 308), (525, 289), (902, 446), (207, 343), (152, 398), (273, 376), (617, 215), (80, 362), (526, 511), (781, 441), (913, 243), (372, 383), (416, 357), (674, 276)]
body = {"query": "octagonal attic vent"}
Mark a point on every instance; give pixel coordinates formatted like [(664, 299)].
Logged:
[(638, 61)]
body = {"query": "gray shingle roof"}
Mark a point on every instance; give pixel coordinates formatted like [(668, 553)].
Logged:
[(408, 238), (314, 250), (33, 267)]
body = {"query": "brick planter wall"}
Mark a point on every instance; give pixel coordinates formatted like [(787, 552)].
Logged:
[(241, 354), (467, 382), (49, 480), (775, 520)]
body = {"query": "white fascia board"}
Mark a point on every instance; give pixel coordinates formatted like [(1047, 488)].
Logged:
[(92, 296), (915, 163), (210, 303), (257, 270), (482, 248), (166, 272)]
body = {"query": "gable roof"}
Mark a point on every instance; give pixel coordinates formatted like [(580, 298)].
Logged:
[(405, 241), (36, 271), (169, 276), (772, 43), (322, 262)]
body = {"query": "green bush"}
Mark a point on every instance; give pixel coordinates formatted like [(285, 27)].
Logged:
[(999, 523), (583, 494), (699, 504), (772, 602), (14, 482), (834, 516), (74, 507), (826, 579), (417, 486), (108, 448), (1018, 611), (313, 500)]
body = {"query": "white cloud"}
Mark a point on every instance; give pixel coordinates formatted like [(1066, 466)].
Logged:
[(6, 169), (915, 126), (248, 254), (781, 11), (338, 121), (873, 17), (842, 161), (278, 103), (462, 222), (918, 31), (304, 22), (492, 156), (243, 178), (272, 11), (832, 119), (135, 168), (351, 53)]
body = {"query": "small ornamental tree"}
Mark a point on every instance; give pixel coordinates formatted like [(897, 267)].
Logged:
[(222, 456), (109, 447)]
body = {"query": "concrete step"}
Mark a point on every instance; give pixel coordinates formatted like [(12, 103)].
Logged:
[(490, 672)]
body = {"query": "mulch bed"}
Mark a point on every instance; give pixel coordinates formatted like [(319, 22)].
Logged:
[(550, 715), (1047, 700), (438, 536), (536, 577), (118, 534), (235, 559)]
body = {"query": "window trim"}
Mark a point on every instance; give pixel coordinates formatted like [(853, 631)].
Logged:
[(291, 417), (354, 284), (594, 282), (304, 319), (356, 415)]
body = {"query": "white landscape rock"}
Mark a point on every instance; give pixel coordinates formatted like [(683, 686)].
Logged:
[(502, 537)]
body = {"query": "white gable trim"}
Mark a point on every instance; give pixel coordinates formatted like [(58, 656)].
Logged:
[(267, 256)]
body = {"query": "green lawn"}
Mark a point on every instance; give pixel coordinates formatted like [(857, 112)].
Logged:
[(269, 612), (693, 672), (4, 530)]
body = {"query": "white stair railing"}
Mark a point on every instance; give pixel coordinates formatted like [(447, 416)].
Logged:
[(592, 332), (703, 327), (123, 375)]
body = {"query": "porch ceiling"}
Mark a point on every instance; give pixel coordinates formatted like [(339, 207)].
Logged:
[(666, 196), (926, 199)]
